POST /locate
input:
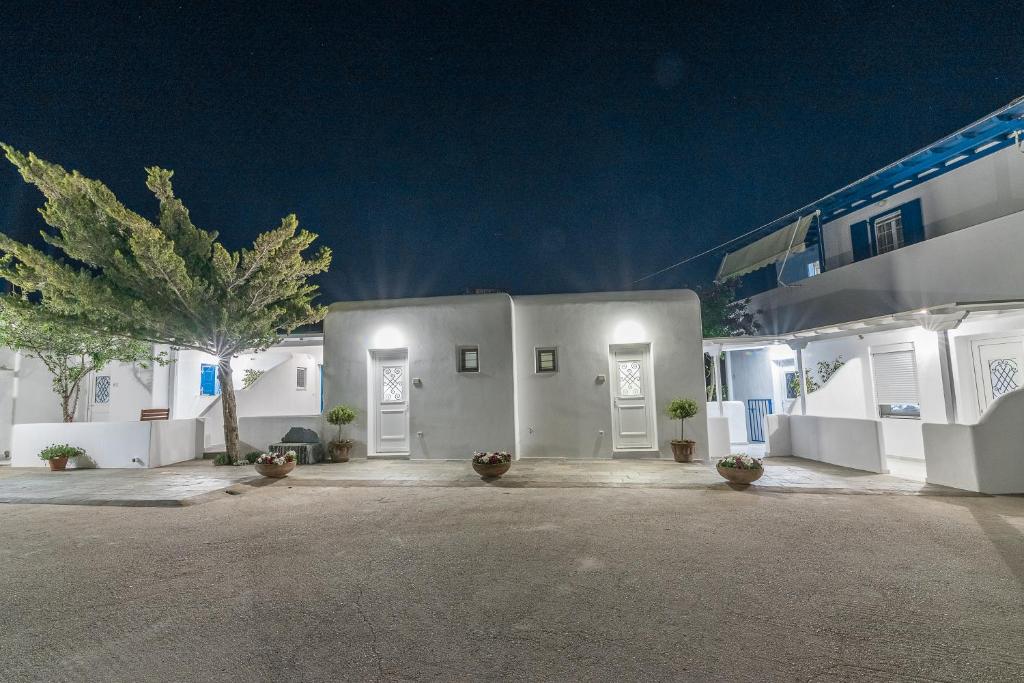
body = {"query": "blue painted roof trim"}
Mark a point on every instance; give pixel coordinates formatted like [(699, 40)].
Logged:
[(975, 141)]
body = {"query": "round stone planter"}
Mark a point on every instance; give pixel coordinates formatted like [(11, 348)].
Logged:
[(492, 471), (275, 471), (57, 464), (682, 451), (740, 477), (339, 450)]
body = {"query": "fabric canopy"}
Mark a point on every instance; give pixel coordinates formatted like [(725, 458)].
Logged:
[(767, 250)]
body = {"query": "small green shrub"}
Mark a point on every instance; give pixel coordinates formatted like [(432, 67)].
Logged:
[(251, 376), (681, 409), (222, 459), (60, 450), (341, 415), (251, 457)]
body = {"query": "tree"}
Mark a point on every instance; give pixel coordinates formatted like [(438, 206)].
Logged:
[(165, 281), (723, 315), (69, 353)]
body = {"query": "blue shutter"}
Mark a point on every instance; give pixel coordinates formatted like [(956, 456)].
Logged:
[(860, 237), (208, 384), (913, 225)]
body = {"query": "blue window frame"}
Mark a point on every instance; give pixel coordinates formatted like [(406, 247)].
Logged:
[(887, 231), (209, 384)]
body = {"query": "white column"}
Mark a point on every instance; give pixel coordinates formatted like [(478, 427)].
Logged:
[(802, 378), (718, 378), (947, 374)]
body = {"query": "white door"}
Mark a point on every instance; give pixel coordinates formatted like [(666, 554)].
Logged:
[(99, 398), (632, 387), (389, 402), (998, 367)]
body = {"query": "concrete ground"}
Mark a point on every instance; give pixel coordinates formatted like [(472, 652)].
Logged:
[(420, 582)]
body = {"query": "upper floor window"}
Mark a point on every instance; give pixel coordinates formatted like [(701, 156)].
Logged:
[(469, 359), (209, 384), (547, 360), (889, 232), (300, 378)]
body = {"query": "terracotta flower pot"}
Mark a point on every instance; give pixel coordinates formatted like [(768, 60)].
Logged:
[(57, 464), (275, 471), (682, 451), (738, 476), (491, 471), (339, 450)]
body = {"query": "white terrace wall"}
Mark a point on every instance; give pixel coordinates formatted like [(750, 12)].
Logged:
[(568, 413), (849, 442), (451, 414), (112, 444)]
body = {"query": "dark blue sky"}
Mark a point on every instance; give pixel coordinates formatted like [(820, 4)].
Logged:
[(532, 147)]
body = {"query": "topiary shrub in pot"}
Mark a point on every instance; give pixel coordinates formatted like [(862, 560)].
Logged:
[(339, 416), (682, 409), (56, 455)]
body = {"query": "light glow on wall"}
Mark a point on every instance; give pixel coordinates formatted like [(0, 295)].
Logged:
[(388, 337), (629, 332)]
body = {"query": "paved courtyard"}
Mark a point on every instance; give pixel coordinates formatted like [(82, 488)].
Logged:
[(482, 582), (199, 481)]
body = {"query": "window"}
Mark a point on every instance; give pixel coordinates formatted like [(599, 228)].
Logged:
[(792, 384), (547, 360), (813, 268), (889, 232), (468, 359), (894, 370), (101, 393), (300, 379), (209, 385)]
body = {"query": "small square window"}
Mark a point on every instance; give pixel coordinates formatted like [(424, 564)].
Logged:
[(300, 379), (547, 360), (469, 359)]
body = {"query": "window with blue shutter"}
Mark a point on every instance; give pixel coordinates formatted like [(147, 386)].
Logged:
[(888, 231), (209, 385), (860, 237), (913, 224)]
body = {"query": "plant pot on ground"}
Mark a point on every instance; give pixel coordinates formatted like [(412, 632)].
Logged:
[(56, 456), (491, 465), (740, 470), (682, 409), (275, 465), (339, 448)]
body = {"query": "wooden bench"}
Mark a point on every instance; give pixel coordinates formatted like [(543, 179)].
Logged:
[(151, 414)]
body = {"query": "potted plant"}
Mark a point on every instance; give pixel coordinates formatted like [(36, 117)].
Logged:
[(740, 469), (57, 455), (275, 465), (339, 416), (491, 465), (681, 409)]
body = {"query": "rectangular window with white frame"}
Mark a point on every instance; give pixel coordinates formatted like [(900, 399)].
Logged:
[(894, 372), (889, 232), (300, 379), (468, 359), (546, 360)]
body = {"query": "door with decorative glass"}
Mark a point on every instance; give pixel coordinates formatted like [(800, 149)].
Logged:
[(99, 398), (632, 388), (998, 368), (389, 403)]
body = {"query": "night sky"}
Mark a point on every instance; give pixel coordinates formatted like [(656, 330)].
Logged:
[(529, 147)]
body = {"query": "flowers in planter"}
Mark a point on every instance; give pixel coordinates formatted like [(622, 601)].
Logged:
[(60, 450), (740, 462), (276, 458), (496, 458)]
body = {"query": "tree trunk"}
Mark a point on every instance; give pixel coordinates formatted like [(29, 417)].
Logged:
[(227, 401), (67, 407)]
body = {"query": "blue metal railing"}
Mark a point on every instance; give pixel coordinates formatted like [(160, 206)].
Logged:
[(757, 410)]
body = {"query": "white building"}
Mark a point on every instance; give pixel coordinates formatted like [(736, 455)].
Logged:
[(286, 393), (913, 276), (568, 375)]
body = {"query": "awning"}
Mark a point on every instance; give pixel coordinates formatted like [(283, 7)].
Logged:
[(767, 250)]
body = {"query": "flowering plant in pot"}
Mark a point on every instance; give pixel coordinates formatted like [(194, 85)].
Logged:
[(740, 469), (339, 416), (56, 455), (275, 465), (682, 409), (490, 465)]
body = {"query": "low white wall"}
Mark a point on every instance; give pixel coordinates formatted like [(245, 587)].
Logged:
[(986, 457), (849, 442), (257, 433), (777, 439), (110, 444), (718, 437), (736, 414)]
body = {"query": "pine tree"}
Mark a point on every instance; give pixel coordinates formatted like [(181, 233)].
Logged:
[(164, 281)]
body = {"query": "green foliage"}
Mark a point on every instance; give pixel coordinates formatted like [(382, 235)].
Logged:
[(223, 459), (341, 415), (251, 456), (61, 450), (164, 280), (681, 409), (70, 353), (251, 376), (722, 314), (825, 371)]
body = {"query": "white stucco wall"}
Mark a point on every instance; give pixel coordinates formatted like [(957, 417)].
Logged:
[(979, 263), (563, 414), (977, 327), (451, 414), (111, 444), (735, 415), (849, 442)]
